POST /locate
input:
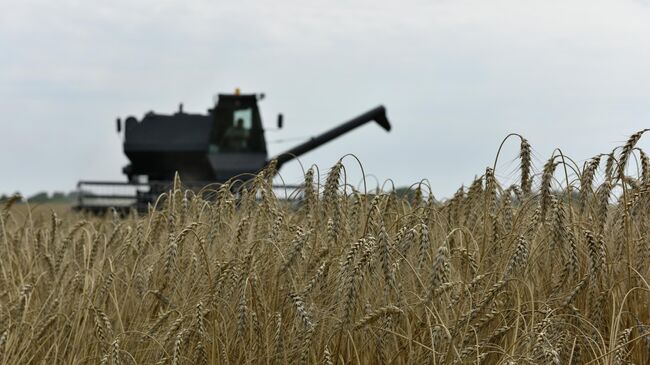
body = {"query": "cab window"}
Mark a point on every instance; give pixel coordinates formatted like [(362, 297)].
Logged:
[(246, 115)]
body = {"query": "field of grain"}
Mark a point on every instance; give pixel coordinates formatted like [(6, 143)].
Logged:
[(539, 272)]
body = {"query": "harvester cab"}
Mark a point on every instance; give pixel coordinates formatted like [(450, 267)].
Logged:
[(226, 143)]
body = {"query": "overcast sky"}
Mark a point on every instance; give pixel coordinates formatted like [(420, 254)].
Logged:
[(455, 76)]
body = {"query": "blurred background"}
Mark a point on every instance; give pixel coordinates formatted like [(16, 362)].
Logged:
[(455, 76)]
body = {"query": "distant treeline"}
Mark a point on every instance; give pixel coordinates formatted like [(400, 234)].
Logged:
[(44, 197), (71, 197)]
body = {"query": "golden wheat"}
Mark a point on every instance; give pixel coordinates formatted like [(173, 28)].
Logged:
[(530, 273)]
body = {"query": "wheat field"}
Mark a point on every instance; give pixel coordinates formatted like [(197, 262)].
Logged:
[(550, 270)]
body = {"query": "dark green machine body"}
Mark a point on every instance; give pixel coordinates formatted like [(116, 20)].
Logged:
[(228, 142), (197, 146)]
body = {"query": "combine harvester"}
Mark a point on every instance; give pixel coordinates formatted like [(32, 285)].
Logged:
[(228, 142)]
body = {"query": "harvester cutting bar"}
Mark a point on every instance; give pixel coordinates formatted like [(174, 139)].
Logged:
[(101, 196)]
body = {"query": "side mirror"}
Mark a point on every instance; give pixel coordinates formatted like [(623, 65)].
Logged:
[(280, 121), (118, 123)]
